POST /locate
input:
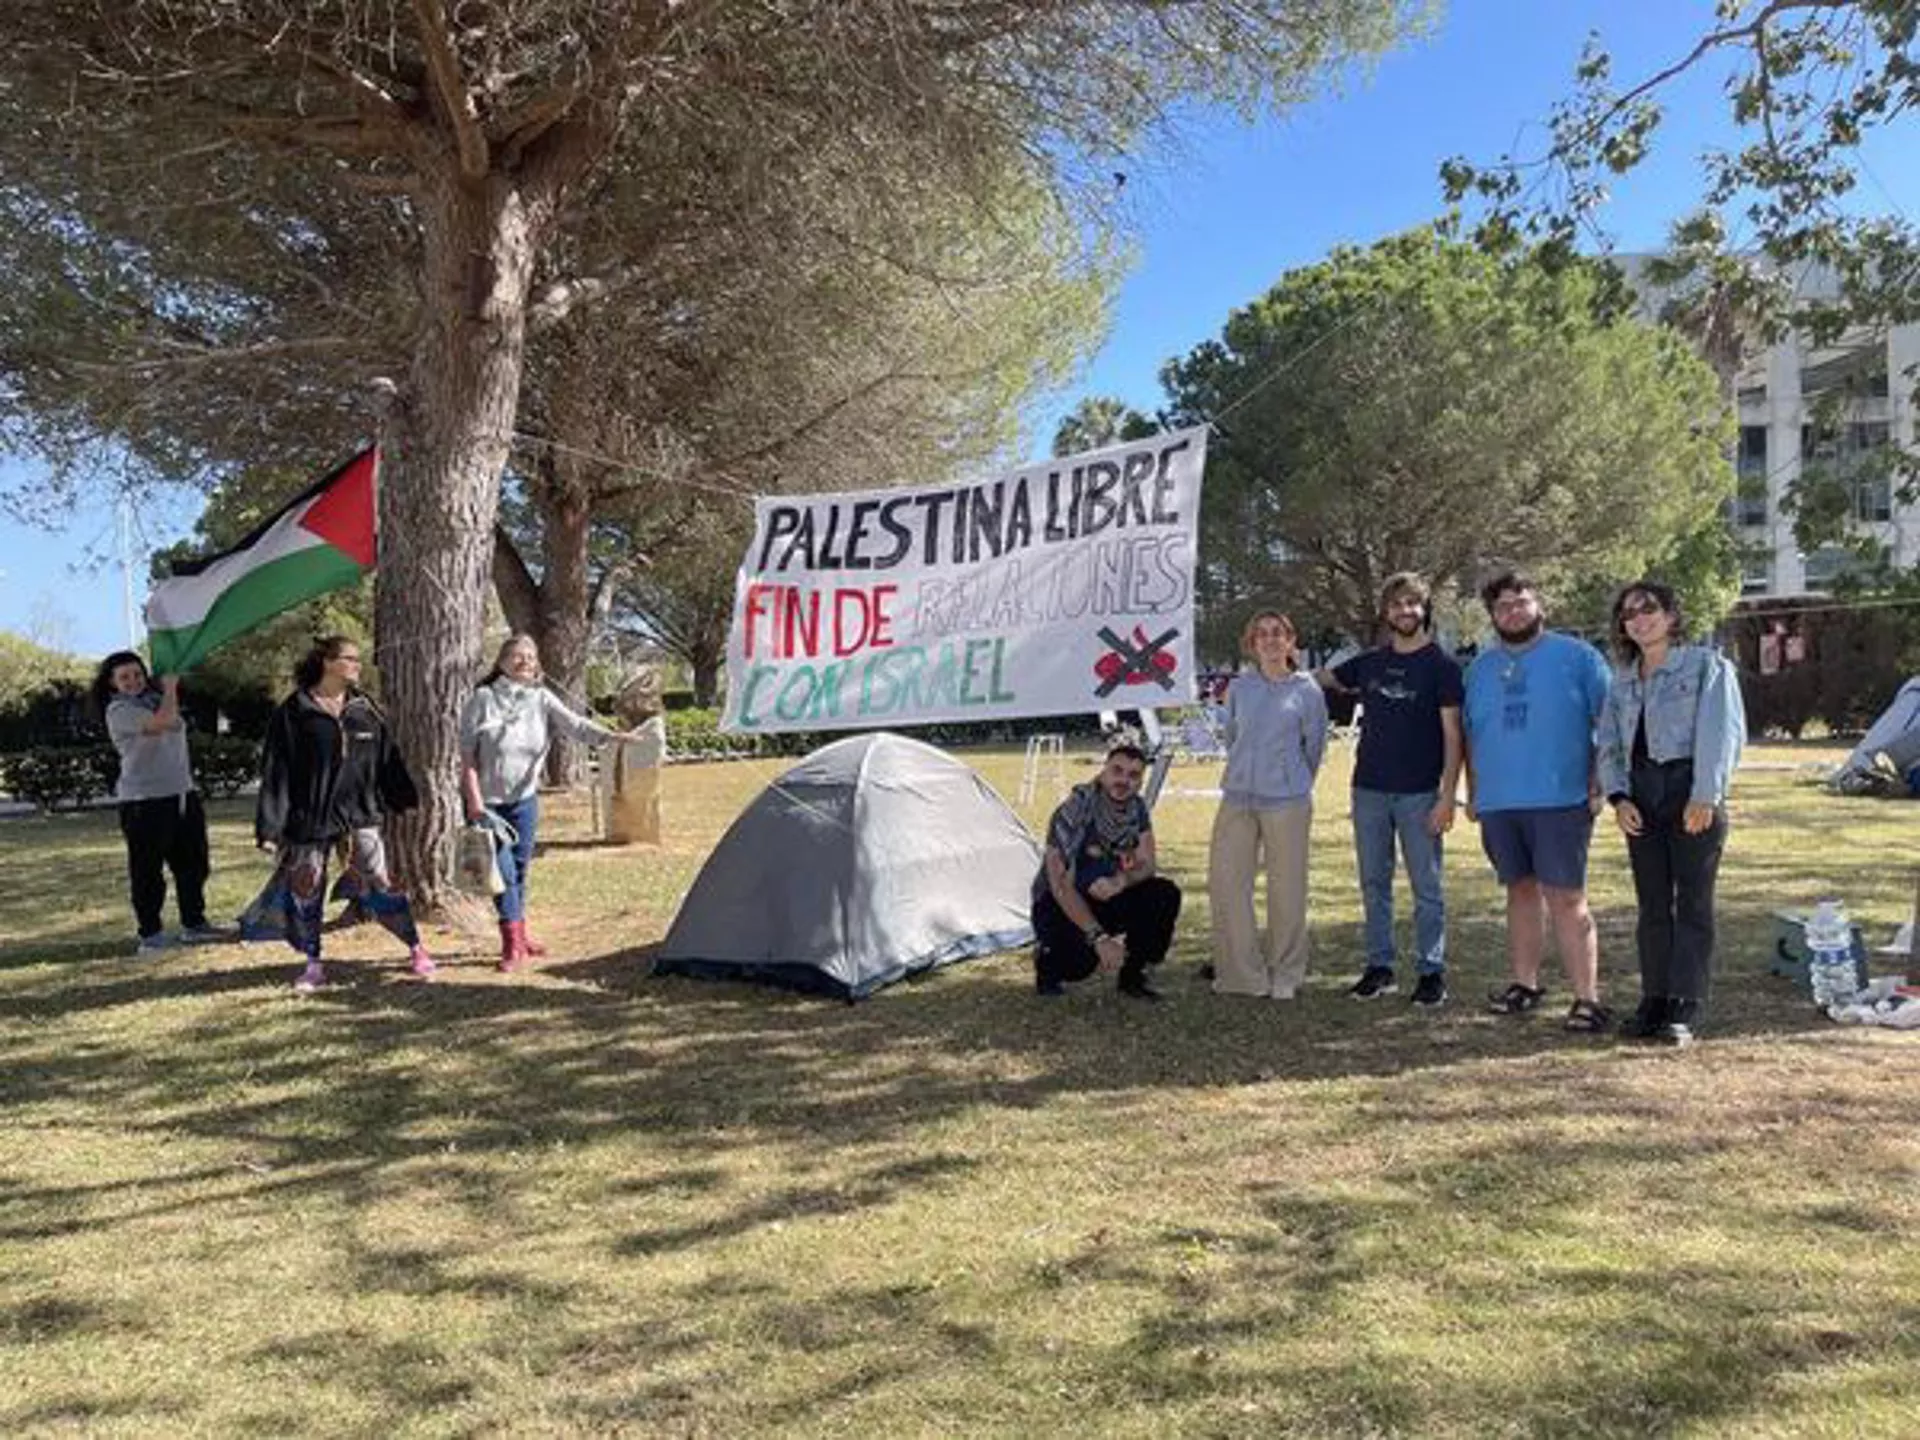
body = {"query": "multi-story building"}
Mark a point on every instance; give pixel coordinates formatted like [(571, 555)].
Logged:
[(1841, 407)]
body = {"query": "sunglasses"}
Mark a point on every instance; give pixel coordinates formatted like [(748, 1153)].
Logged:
[(1638, 608)]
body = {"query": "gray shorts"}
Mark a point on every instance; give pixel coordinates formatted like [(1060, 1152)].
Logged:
[(1545, 845)]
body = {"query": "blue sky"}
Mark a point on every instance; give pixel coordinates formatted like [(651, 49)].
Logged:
[(1218, 218)]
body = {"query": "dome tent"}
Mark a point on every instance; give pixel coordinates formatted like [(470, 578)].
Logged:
[(873, 858)]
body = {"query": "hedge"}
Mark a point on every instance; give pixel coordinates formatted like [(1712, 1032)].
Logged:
[(52, 776), (696, 735)]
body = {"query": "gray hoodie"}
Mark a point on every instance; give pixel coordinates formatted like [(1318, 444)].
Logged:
[(506, 730)]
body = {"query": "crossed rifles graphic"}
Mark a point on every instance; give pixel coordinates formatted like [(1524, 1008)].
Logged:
[(1134, 662)]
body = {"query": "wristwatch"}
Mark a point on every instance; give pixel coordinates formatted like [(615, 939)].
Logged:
[(1095, 934)]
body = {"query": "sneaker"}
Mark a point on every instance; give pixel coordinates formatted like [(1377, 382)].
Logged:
[(1645, 1022), (420, 963), (310, 979), (201, 934), (1049, 989), (1677, 1031), (1675, 1035), (1374, 981), (1431, 989), (1138, 987), (153, 944)]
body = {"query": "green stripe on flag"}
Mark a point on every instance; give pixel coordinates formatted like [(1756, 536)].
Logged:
[(256, 596)]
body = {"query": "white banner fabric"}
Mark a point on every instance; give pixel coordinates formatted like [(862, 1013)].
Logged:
[(1062, 588)]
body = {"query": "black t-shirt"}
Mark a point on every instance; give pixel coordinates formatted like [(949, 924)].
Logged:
[(1402, 750)]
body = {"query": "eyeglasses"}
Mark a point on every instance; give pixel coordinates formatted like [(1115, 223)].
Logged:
[(348, 659), (1514, 602), (1636, 609)]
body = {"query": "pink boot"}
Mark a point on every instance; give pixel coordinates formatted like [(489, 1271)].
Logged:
[(534, 947), (514, 954)]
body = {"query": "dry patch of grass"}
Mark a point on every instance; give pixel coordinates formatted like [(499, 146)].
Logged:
[(588, 1201)]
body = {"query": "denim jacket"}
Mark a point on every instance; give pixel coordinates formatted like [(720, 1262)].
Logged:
[(1693, 712)]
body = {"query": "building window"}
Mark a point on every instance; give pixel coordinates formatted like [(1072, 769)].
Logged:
[(1753, 394), (1749, 504), (1873, 499), (1756, 573), (1828, 564), (1859, 373)]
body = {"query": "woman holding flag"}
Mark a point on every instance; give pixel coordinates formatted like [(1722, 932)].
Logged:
[(331, 773), (160, 812)]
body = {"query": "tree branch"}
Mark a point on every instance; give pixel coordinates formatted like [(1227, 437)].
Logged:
[(196, 357), (560, 299), (443, 66), (519, 592), (1713, 40)]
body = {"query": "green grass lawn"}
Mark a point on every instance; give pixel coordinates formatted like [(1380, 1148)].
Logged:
[(588, 1201)]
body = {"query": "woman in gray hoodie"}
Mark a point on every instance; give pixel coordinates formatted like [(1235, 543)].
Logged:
[(1276, 737), (505, 732)]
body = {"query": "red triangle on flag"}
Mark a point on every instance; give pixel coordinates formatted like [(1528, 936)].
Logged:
[(342, 514)]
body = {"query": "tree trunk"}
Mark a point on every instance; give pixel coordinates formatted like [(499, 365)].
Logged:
[(446, 448), (706, 663), (565, 627)]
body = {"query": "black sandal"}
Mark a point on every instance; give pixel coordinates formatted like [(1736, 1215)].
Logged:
[(1584, 1017), (1516, 999)]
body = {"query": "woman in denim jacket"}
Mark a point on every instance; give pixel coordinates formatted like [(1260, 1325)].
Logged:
[(1670, 736)]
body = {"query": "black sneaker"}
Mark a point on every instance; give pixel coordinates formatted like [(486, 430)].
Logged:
[(1138, 987), (1374, 981), (1645, 1022), (1431, 989), (1049, 989)]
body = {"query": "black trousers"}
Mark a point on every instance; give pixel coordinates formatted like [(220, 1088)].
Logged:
[(162, 835), (1674, 874), (1144, 913)]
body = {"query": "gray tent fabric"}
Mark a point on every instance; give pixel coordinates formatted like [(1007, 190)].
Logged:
[(871, 859)]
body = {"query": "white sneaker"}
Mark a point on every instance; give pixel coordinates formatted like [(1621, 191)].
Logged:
[(153, 944), (310, 979)]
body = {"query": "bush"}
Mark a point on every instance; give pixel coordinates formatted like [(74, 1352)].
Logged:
[(56, 714), (223, 764), (1851, 663), (696, 734), (54, 775)]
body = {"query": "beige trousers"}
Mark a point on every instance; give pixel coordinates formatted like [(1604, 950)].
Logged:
[(1241, 964)]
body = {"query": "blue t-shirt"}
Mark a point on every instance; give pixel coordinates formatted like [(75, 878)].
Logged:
[(1402, 748), (1529, 720)]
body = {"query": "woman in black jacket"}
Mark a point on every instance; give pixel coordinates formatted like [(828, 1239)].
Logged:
[(330, 773)]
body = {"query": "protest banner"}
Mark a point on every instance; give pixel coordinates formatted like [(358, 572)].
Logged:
[(1062, 588)]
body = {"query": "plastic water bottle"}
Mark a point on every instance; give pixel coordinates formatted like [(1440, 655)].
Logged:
[(1830, 971)]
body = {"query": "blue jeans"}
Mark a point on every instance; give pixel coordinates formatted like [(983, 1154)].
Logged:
[(1378, 816), (516, 859)]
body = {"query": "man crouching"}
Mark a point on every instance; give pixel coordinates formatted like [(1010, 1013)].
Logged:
[(1097, 903)]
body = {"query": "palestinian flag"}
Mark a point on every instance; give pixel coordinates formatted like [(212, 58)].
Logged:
[(320, 541)]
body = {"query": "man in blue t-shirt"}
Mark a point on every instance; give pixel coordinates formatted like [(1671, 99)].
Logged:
[(1403, 783), (1532, 700)]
